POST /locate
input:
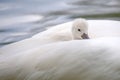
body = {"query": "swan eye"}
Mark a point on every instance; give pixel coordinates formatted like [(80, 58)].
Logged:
[(79, 29)]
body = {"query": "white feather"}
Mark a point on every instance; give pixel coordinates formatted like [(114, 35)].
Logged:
[(94, 59)]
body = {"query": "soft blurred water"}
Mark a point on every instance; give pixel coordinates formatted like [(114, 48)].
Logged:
[(20, 19)]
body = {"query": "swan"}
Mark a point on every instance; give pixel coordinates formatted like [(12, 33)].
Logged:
[(78, 30), (62, 32), (96, 29), (89, 59)]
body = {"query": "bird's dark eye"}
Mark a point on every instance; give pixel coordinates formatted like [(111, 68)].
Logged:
[(79, 30)]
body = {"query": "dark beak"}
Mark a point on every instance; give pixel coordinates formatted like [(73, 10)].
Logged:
[(85, 36)]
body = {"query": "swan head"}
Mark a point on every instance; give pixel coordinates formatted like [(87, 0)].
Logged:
[(80, 29)]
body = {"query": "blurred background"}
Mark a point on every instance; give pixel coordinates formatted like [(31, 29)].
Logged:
[(20, 19)]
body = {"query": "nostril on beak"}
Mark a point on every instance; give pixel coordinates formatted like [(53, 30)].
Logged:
[(85, 36)]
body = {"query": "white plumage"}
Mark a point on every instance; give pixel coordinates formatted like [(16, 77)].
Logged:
[(62, 32), (71, 60), (91, 59), (103, 28)]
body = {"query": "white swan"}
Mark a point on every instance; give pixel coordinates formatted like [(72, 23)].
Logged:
[(96, 29), (91, 59), (78, 30), (69, 60), (62, 32)]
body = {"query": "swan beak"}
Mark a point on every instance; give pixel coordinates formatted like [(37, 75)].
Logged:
[(85, 36)]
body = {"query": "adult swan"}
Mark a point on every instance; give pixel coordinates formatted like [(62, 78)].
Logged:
[(91, 59)]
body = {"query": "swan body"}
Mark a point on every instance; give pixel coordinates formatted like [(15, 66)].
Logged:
[(71, 60), (46, 57)]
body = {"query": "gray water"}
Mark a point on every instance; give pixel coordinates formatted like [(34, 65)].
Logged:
[(20, 19)]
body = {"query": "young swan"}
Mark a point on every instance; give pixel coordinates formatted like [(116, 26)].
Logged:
[(80, 29)]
